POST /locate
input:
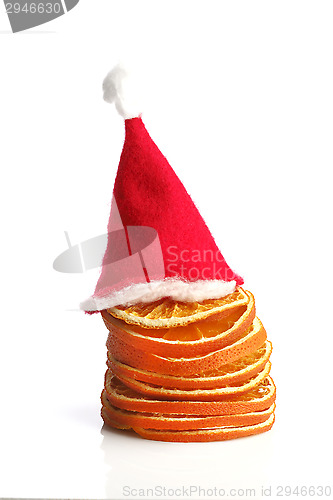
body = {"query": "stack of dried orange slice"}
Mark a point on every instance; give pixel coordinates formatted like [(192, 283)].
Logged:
[(180, 371)]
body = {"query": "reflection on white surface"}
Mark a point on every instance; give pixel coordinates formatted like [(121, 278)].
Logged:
[(141, 464)]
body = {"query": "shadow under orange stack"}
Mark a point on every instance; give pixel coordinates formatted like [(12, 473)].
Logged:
[(188, 371)]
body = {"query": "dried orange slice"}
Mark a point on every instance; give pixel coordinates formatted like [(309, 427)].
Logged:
[(112, 423), (259, 398), (204, 435), (231, 373), (157, 421), (190, 340), (248, 343), (198, 435), (168, 313), (152, 391)]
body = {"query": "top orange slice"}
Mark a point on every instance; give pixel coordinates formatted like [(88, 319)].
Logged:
[(167, 313), (198, 338)]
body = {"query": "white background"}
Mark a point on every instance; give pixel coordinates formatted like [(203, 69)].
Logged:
[(239, 98)]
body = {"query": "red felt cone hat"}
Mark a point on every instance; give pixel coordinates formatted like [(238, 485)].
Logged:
[(158, 243)]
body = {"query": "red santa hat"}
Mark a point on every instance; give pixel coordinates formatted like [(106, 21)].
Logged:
[(158, 243)]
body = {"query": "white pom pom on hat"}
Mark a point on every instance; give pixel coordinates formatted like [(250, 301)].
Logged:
[(123, 90)]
